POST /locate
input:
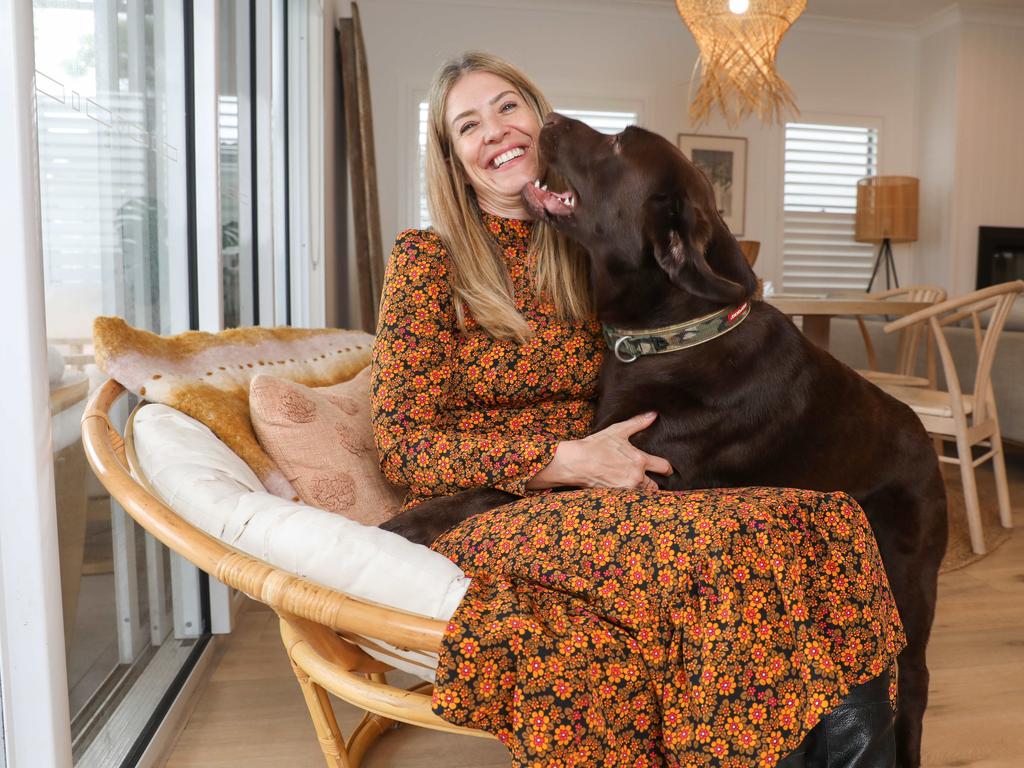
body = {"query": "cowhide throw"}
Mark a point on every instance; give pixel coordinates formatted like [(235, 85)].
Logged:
[(207, 375)]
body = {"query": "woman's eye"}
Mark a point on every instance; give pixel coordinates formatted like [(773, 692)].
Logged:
[(508, 106), (465, 128)]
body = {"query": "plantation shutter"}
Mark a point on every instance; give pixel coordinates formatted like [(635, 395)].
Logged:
[(600, 120), (822, 166), (605, 122)]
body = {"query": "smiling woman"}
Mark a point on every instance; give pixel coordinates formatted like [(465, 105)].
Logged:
[(481, 108), (612, 623)]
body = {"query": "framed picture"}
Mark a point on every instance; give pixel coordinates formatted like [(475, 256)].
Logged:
[(724, 160)]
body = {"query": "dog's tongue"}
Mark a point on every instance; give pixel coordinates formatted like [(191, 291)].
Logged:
[(549, 201)]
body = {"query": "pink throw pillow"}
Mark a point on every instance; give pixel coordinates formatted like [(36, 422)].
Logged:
[(322, 440)]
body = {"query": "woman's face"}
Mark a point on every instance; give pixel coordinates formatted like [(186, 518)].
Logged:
[(494, 134)]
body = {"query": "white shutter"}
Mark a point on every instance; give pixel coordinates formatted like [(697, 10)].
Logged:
[(600, 120), (421, 155), (822, 166)]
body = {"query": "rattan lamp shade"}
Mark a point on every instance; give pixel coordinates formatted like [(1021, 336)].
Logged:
[(886, 208), (737, 58)]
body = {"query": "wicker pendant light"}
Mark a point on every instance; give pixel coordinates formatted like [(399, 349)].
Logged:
[(738, 40)]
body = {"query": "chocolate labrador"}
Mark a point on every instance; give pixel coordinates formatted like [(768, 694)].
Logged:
[(743, 398)]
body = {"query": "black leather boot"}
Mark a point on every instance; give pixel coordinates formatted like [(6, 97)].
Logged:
[(856, 734), (797, 758)]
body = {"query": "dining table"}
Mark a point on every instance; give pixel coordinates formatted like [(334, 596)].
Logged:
[(817, 310)]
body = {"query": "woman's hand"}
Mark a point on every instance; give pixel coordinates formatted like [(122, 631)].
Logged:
[(605, 459)]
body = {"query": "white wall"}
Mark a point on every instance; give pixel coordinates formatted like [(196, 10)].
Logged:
[(990, 142), (970, 150), (629, 52), (937, 99)]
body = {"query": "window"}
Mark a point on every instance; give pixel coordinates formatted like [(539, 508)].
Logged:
[(600, 120), (822, 166)]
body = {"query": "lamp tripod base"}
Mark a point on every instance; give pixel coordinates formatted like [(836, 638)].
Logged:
[(885, 260)]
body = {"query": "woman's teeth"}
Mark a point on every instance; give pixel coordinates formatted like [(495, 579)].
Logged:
[(504, 157)]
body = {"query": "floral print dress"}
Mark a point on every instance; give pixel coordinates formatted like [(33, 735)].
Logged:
[(610, 626)]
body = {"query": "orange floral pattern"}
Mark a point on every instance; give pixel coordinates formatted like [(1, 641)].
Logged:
[(706, 628), (610, 627), (453, 411)]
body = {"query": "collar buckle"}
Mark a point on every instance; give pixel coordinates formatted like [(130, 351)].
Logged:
[(617, 349)]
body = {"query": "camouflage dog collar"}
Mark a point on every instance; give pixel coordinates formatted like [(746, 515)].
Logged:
[(629, 345)]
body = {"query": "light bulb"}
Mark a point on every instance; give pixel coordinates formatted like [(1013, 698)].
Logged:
[(739, 6)]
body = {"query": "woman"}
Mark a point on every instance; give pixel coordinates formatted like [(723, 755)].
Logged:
[(615, 624)]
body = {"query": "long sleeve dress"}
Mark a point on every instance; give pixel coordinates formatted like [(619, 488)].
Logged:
[(610, 626)]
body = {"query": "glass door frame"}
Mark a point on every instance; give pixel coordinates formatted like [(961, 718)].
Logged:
[(33, 674)]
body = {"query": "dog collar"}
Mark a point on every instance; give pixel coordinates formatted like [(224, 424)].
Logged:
[(629, 345)]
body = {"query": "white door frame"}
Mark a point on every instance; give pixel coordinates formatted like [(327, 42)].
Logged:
[(305, 73), (210, 263), (263, 40), (36, 719)]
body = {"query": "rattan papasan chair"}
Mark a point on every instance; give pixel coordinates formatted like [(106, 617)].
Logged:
[(339, 642)]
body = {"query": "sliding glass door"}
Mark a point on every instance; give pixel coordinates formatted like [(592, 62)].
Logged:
[(145, 177), (138, 111), (110, 97)]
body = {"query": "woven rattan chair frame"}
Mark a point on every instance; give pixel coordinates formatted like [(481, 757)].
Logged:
[(315, 620)]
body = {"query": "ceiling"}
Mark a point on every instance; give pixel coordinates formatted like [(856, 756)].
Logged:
[(899, 11)]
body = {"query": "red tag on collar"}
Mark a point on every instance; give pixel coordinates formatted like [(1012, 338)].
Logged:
[(732, 315)]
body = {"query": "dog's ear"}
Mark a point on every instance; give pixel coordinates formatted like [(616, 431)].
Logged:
[(687, 242)]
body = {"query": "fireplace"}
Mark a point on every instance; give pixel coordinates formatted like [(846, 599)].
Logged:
[(1000, 255)]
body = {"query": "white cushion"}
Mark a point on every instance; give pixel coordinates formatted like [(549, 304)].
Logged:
[(66, 426), (211, 488), (55, 365)]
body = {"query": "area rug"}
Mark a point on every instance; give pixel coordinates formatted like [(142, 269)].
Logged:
[(958, 553)]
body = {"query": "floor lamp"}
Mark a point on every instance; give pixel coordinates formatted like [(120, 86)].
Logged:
[(886, 214)]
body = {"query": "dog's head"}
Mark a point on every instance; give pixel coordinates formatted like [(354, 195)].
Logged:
[(642, 211)]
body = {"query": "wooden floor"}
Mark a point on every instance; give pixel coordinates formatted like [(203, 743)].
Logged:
[(251, 714)]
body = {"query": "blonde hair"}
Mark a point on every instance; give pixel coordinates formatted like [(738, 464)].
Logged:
[(478, 275)]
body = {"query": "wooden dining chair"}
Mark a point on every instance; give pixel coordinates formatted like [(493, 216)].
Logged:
[(955, 415), (750, 249), (904, 372)]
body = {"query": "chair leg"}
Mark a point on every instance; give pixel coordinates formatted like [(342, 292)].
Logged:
[(973, 508), (1002, 482), (370, 728), (366, 734), (322, 714)]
